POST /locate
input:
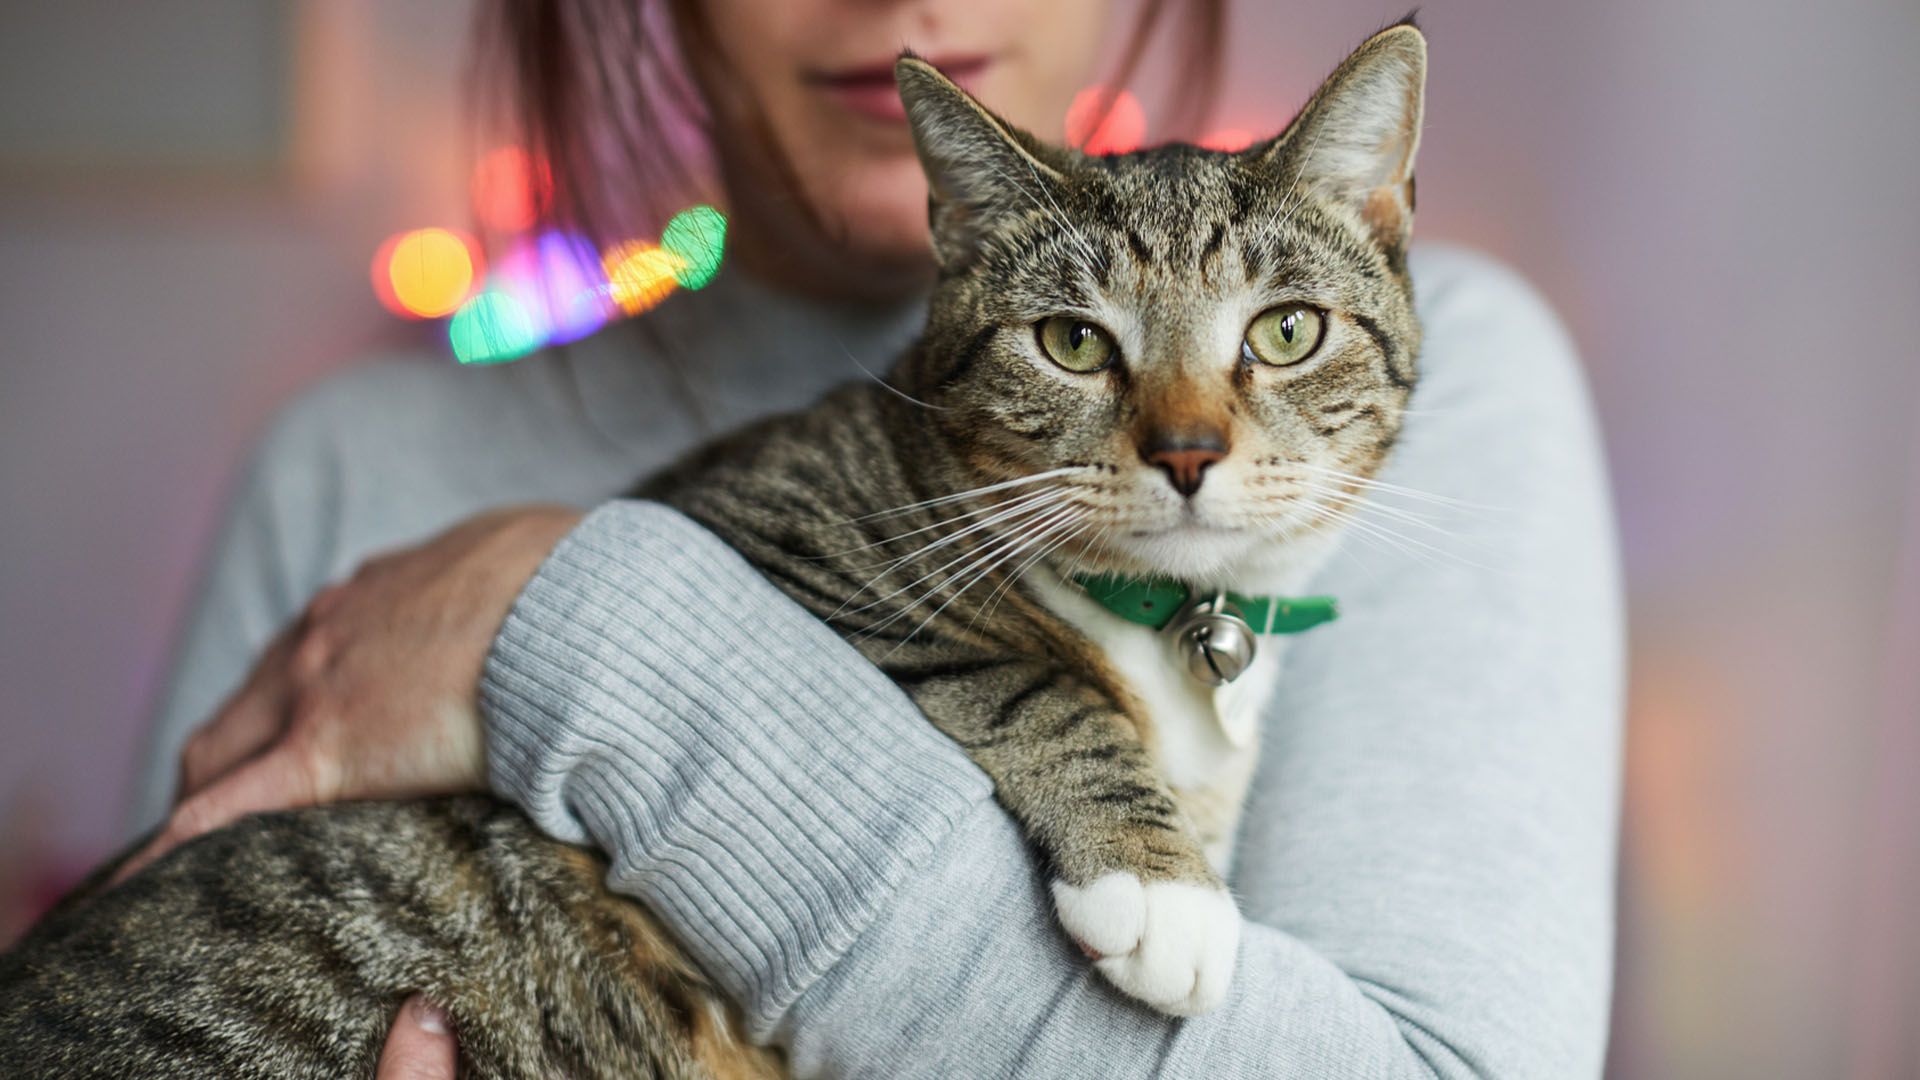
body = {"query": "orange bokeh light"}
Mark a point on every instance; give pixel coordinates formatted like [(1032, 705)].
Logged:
[(425, 273), (1228, 139), (1120, 130), (640, 275), (511, 189)]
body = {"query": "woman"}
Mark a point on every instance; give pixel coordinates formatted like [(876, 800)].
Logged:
[(1427, 857)]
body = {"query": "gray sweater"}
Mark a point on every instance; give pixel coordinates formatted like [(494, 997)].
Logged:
[(1427, 860)]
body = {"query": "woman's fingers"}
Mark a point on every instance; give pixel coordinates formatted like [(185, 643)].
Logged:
[(372, 693), (420, 1046), (296, 772), (247, 722)]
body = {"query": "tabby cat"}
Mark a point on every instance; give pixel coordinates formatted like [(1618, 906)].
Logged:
[(1179, 364)]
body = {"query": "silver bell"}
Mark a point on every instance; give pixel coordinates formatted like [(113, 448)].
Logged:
[(1217, 644)]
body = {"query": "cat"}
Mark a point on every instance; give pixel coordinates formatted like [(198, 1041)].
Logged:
[(1174, 364)]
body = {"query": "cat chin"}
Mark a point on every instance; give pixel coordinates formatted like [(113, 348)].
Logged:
[(1231, 558), (1190, 553)]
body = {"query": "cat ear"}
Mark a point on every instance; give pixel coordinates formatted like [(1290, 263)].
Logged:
[(1355, 141), (977, 165)]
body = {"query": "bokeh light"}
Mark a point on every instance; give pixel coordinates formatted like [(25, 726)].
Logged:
[(492, 328), (697, 236), (640, 275), (1232, 140), (429, 272), (544, 287), (1121, 130), (511, 189), (570, 286)]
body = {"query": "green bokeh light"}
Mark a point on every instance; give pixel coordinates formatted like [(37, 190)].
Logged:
[(697, 235), (492, 328)]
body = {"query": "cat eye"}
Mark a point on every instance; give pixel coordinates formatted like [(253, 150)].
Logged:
[(1075, 344), (1285, 335)]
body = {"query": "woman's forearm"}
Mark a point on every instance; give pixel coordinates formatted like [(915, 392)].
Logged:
[(754, 779)]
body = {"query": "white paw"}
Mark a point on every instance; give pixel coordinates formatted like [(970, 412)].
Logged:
[(1169, 943)]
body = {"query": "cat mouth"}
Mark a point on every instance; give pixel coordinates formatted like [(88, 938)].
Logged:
[(1190, 521), (1190, 527)]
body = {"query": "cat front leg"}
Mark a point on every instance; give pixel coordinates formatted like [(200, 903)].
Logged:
[(1131, 880)]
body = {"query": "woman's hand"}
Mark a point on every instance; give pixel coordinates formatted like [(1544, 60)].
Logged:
[(373, 692)]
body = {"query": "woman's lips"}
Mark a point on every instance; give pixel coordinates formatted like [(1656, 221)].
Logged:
[(869, 88)]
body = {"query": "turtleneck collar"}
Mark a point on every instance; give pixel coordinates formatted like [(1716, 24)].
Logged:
[(736, 350)]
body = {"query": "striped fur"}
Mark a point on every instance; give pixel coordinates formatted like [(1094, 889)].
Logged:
[(929, 520)]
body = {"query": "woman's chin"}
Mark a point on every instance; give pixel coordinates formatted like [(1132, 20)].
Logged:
[(880, 210)]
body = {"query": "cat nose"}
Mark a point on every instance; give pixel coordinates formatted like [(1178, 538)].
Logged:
[(1184, 457)]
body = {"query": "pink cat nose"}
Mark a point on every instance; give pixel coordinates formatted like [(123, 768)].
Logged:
[(1185, 460)]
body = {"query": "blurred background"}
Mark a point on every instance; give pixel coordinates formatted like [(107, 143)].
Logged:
[(1717, 195)]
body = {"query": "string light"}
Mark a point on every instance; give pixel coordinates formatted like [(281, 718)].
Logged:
[(492, 328), (547, 288), (640, 275), (1120, 130), (511, 189), (571, 286), (429, 272), (697, 236)]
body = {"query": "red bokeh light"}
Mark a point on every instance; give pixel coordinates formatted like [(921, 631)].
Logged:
[(511, 189), (1228, 139), (1121, 130)]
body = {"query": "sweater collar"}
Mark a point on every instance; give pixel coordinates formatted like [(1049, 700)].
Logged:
[(736, 351)]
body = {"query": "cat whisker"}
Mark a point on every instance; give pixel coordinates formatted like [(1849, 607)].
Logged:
[(1289, 210), (1017, 481), (897, 392), (1370, 541), (985, 558), (1098, 538), (1006, 504), (1031, 540), (1394, 489), (1408, 545), (1336, 520), (1040, 506), (963, 557), (999, 593), (1363, 504), (1056, 214)]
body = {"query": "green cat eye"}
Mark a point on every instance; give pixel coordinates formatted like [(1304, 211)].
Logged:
[(1285, 335), (1076, 345)]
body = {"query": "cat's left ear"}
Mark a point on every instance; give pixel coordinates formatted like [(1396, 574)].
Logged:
[(1356, 139), (977, 165)]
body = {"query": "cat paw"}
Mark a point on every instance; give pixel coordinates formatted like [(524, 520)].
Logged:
[(1169, 943)]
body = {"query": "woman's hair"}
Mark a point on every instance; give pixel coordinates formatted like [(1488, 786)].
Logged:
[(598, 89)]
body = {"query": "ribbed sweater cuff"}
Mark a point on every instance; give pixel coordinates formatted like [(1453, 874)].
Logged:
[(759, 784)]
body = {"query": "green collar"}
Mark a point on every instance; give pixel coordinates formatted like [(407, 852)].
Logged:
[(1155, 601)]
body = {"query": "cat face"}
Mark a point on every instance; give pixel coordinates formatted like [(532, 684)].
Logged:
[(1211, 351)]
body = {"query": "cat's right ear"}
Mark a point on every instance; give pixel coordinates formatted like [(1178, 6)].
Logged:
[(1356, 139), (977, 165)]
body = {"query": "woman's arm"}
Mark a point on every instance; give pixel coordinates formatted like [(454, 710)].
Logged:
[(1427, 861)]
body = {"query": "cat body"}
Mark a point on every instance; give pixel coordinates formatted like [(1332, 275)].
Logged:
[(1179, 364)]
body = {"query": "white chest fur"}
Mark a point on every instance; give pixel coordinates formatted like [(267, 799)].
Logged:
[(1207, 771)]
